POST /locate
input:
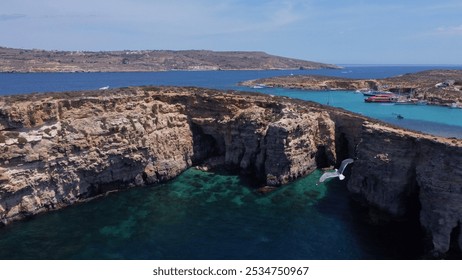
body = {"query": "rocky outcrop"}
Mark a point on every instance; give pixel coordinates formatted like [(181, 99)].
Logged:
[(404, 173), (59, 149), (314, 82)]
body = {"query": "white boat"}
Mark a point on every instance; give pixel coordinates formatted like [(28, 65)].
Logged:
[(456, 105), (376, 92), (103, 88), (260, 86), (422, 102), (411, 101)]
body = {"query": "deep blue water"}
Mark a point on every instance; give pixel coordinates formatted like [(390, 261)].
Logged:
[(431, 119), (220, 216), (17, 83)]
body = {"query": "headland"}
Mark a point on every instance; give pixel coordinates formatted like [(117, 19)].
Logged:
[(58, 149)]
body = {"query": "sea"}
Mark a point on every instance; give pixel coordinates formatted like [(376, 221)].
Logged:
[(220, 215)]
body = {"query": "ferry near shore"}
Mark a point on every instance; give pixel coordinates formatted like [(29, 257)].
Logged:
[(382, 98)]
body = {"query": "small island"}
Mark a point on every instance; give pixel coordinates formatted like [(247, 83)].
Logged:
[(436, 87)]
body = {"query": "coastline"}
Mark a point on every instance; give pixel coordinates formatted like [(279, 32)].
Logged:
[(163, 70), (422, 86), (60, 149)]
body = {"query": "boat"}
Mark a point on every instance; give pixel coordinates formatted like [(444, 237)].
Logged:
[(374, 92), (103, 88), (382, 98), (411, 101), (260, 86), (455, 105), (366, 92), (422, 102), (398, 116), (369, 93)]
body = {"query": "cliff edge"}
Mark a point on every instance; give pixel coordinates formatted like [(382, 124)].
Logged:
[(62, 148)]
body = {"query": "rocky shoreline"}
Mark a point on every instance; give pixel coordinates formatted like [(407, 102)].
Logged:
[(437, 87), (58, 149)]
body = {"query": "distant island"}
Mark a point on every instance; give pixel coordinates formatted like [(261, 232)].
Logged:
[(437, 87), (23, 60)]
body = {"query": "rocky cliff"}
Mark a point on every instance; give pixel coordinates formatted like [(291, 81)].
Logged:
[(58, 149), (401, 173)]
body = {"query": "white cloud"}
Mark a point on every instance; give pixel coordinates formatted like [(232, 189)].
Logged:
[(5, 17), (449, 30)]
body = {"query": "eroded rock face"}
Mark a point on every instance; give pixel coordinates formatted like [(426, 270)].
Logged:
[(396, 172), (58, 149), (87, 146)]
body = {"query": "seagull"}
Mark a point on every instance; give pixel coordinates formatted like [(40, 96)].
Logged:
[(337, 173)]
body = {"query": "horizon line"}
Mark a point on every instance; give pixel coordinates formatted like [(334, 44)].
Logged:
[(399, 64)]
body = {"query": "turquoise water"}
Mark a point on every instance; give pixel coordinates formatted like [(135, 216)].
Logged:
[(431, 119), (210, 216), (437, 120), (220, 216)]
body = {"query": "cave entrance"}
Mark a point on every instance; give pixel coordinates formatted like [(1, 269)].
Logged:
[(205, 145), (455, 251), (341, 148), (321, 158)]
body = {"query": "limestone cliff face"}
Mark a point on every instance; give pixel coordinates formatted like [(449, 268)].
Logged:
[(397, 172), (59, 149), (56, 151)]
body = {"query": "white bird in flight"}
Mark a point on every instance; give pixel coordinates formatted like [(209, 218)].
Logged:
[(337, 173)]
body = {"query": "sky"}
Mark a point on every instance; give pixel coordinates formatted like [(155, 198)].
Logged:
[(339, 32)]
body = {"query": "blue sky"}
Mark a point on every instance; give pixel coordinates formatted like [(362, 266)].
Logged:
[(343, 31)]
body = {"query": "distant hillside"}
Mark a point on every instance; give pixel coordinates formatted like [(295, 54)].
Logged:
[(21, 60)]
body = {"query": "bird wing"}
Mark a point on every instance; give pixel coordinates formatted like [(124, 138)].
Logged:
[(328, 175), (344, 163)]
